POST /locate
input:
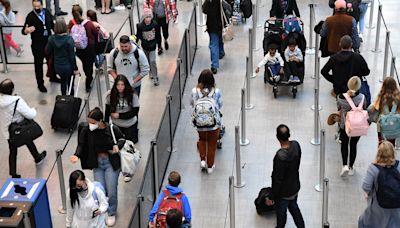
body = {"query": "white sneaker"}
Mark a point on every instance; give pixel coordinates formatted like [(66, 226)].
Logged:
[(345, 171), (127, 178), (203, 164), (211, 170), (351, 172), (19, 52), (119, 7), (110, 221), (290, 79)]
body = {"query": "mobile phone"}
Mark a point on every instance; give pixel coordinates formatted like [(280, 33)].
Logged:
[(94, 213)]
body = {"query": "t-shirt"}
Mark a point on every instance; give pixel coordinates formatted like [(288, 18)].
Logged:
[(123, 107)]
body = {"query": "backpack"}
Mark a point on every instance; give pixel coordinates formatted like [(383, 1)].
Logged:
[(390, 123), (291, 24), (78, 33), (103, 43), (247, 8), (205, 111), (356, 119), (388, 193), (352, 9), (135, 53), (261, 207), (168, 202), (94, 194)]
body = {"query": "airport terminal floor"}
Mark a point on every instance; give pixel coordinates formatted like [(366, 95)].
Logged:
[(167, 138)]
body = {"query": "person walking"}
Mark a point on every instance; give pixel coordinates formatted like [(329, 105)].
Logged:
[(281, 8), (208, 134), (344, 65), (130, 61), (7, 18), (354, 85), (98, 152), (338, 25), (374, 215), (86, 54), (148, 32), (86, 202), (14, 109), (57, 9), (388, 96), (164, 11), (61, 46), (363, 7), (214, 28), (285, 179), (39, 23)]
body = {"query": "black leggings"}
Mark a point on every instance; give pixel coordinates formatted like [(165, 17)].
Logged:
[(162, 22), (345, 147), (12, 159), (87, 56), (131, 133)]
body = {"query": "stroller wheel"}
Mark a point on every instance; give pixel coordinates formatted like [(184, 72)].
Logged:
[(275, 91), (265, 79), (219, 144), (294, 91)]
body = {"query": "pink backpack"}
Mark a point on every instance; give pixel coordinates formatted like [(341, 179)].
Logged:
[(78, 33), (356, 118)]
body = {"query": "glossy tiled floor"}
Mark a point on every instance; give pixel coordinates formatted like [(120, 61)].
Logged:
[(208, 194)]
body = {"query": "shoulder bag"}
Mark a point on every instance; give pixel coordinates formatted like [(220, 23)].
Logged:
[(23, 132), (227, 31)]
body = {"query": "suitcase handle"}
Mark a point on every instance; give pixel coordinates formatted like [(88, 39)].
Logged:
[(77, 86)]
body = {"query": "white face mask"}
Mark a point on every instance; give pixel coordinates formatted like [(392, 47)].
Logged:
[(93, 127)]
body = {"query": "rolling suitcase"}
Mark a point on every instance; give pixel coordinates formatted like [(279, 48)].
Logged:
[(66, 110)]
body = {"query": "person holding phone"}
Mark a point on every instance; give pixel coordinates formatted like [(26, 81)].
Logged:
[(86, 202)]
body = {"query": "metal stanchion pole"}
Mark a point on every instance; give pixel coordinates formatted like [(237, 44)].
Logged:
[(63, 208), (254, 26), (251, 60), (315, 140), (131, 22), (87, 108), (371, 16), (243, 140), (200, 13), (259, 25), (325, 222), (249, 105), (27, 221), (155, 168), (98, 88), (138, 9), (378, 30), (316, 55), (392, 66), (188, 51), (316, 82), (3, 52), (319, 186), (385, 56), (310, 50), (239, 182), (231, 203), (171, 148)]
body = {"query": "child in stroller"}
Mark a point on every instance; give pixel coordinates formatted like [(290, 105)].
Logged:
[(294, 58), (274, 63)]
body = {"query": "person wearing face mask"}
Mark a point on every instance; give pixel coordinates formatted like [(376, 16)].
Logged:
[(38, 24), (86, 202), (98, 152)]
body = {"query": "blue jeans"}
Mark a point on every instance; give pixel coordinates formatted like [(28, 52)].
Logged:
[(281, 207), (108, 177), (216, 46), (65, 71), (274, 68), (363, 7)]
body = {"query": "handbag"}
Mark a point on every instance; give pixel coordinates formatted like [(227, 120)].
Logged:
[(23, 132), (227, 32)]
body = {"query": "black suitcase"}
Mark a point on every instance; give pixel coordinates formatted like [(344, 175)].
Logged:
[(261, 207), (66, 110)]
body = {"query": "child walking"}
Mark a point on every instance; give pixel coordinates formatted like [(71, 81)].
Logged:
[(149, 34), (274, 62), (7, 17), (293, 57)]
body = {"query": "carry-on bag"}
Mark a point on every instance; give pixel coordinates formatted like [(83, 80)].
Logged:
[(66, 109), (261, 207)]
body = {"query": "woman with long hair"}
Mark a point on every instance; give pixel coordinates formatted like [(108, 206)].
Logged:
[(374, 215), (208, 135), (86, 202), (7, 17), (98, 151), (354, 85), (389, 95), (61, 46), (88, 54)]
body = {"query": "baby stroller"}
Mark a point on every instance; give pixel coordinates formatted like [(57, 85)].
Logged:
[(274, 35)]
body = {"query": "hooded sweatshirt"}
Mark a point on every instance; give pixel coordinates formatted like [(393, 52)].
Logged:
[(187, 212), (7, 104), (62, 47), (5, 20), (149, 35), (344, 65)]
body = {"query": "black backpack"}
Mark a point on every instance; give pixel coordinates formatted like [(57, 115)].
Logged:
[(247, 8), (388, 193)]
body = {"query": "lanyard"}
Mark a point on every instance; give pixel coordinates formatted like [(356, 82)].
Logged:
[(41, 16)]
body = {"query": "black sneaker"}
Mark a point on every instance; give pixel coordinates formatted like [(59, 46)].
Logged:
[(41, 158), (166, 45), (214, 70), (221, 56), (16, 176), (129, 6), (160, 51), (42, 89), (61, 13), (15, 11)]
